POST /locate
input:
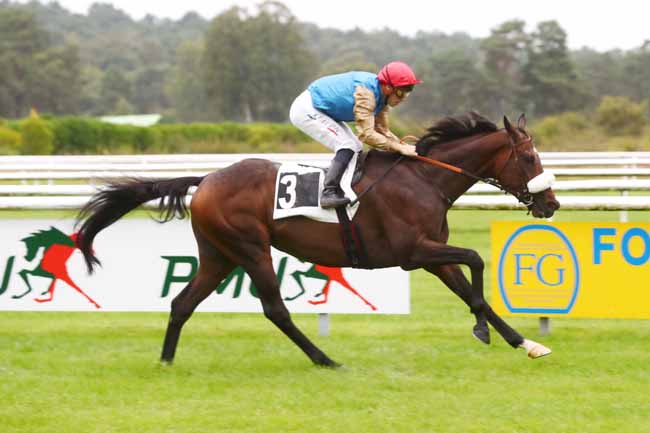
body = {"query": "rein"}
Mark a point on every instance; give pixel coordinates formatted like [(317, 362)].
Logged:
[(524, 196), (356, 200)]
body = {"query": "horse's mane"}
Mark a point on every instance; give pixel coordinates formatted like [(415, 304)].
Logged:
[(453, 128)]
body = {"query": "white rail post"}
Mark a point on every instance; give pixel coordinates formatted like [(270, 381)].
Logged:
[(623, 215), (545, 322), (323, 324), (544, 325)]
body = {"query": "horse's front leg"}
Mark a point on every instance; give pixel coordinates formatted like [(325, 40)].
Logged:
[(455, 280), (429, 254)]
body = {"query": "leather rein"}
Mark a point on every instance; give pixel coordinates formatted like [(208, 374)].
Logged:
[(524, 196)]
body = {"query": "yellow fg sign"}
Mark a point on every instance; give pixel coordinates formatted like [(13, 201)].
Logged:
[(571, 269)]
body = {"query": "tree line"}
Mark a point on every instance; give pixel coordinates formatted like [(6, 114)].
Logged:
[(248, 65)]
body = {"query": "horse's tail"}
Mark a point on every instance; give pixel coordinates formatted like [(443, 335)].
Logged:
[(119, 198)]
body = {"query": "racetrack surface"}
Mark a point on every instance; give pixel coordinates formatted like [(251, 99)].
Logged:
[(99, 372)]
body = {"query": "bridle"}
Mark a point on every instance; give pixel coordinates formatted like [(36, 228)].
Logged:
[(524, 196)]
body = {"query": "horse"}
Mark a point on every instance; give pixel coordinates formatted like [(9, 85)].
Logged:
[(402, 216), (57, 249)]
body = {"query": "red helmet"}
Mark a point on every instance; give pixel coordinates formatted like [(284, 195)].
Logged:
[(397, 74)]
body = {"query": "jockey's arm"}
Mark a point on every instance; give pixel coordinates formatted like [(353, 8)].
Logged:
[(371, 132), (381, 124), (364, 119)]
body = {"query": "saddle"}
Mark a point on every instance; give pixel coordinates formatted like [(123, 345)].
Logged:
[(298, 188), (297, 192)]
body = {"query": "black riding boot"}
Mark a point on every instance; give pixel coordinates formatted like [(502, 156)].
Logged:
[(332, 196)]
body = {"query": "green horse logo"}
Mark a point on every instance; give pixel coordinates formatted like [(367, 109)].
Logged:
[(58, 247)]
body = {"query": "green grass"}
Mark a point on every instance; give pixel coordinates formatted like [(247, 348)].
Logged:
[(98, 372)]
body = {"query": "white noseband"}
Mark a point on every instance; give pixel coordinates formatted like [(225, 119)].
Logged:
[(542, 181)]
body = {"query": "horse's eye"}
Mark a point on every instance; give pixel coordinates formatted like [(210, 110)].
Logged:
[(528, 157)]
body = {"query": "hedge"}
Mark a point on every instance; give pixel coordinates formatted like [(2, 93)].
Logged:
[(81, 135), (10, 141)]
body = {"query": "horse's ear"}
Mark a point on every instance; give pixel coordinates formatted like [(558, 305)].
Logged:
[(521, 122), (507, 124)]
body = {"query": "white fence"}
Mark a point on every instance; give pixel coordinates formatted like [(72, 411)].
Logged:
[(43, 182), (84, 167)]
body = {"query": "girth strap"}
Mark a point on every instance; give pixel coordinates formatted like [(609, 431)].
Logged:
[(353, 245)]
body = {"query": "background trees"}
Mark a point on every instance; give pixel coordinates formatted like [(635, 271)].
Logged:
[(254, 65), (33, 72), (548, 75), (248, 65)]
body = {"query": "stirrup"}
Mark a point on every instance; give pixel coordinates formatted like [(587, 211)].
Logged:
[(332, 200)]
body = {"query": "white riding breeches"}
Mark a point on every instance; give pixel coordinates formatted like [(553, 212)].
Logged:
[(320, 126)]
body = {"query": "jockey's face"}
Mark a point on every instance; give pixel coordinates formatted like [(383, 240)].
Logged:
[(397, 94)]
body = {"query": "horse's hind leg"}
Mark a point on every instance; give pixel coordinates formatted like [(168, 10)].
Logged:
[(71, 283), (265, 279), (325, 294), (212, 269), (454, 278), (49, 290), (347, 285)]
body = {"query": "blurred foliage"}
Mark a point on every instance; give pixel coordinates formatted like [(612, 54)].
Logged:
[(618, 115), (37, 137), (247, 65), (10, 141), (84, 135), (618, 125)]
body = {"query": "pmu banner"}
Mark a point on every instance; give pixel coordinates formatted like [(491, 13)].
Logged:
[(580, 269), (145, 264)]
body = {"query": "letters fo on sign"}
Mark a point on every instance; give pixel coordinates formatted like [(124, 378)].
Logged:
[(571, 269)]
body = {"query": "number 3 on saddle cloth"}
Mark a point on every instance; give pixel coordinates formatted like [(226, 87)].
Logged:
[(297, 193)]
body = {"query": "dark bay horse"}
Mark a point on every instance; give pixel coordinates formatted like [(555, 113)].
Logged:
[(403, 220)]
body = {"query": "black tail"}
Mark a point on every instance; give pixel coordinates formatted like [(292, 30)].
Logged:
[(119, 198)]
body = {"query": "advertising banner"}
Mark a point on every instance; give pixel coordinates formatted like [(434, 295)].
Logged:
[(582, 269), (145, 264)]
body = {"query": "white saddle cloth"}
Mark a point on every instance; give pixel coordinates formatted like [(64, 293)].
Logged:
[(298, 189)]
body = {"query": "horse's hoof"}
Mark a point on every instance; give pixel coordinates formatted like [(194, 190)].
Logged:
[(482, 333), (534, 349), (329, 364), (166, 362), (336, 366)]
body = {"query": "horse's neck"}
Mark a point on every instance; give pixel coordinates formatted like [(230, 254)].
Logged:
[(473, 154)]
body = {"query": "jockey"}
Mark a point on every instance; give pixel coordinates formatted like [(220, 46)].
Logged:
[(363, 97)]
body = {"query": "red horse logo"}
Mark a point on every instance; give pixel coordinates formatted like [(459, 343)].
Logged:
[(330, 275), (58, 247)]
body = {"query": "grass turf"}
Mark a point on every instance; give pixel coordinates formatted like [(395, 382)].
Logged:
[(98, 372)]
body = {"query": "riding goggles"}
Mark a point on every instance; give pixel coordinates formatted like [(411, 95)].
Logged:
[(403, 92)]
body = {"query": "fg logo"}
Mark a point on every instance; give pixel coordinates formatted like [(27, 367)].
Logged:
[(538, 271)]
